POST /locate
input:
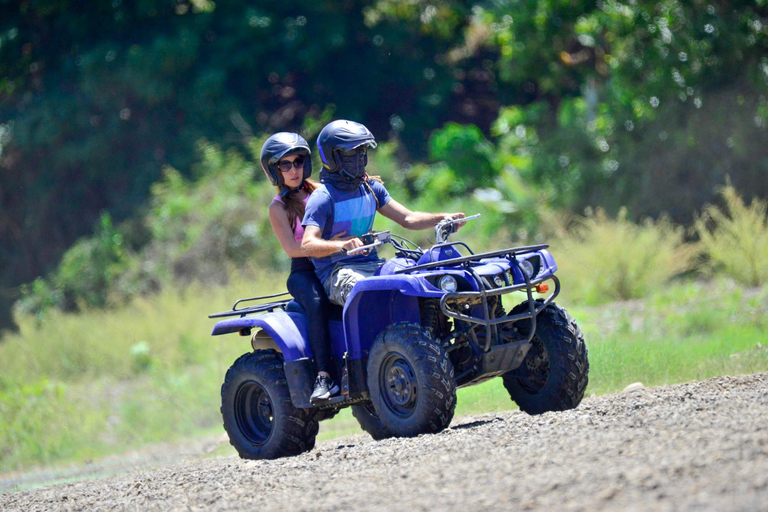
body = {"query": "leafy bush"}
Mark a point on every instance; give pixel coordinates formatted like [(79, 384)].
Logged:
[(465, 150), (735, 239), (605, 259), (194, 230), (84, 276)]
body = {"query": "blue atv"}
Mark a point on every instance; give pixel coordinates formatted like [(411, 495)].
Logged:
[(428, 323)]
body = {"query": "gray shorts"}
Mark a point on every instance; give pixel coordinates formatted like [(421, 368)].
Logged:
[(339, 284)]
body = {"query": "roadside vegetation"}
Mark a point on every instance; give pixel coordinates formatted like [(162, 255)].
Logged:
[(628, 135)]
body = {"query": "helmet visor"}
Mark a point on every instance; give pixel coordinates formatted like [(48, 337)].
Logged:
[(360, 150), (355, 147), (289, 152)]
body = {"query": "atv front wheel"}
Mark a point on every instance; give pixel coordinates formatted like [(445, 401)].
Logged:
[(259, 417), (554, 373), (410, 380)]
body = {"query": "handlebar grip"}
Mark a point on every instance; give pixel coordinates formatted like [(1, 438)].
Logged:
[(363, 248)]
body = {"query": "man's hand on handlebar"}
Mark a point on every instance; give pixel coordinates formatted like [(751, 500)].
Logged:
[(450, 224), (456, 216), (350, 242)]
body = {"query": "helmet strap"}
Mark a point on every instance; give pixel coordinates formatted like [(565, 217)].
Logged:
[(285, 191)]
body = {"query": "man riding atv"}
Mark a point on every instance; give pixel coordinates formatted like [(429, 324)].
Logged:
[(344, 208)]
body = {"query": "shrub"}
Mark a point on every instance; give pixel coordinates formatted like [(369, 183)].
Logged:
[(466, 151), (84, 276), (734, 240), (605, 259)]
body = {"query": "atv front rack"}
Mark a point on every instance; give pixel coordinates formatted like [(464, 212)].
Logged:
[(258, 308), (472, 258), (468, 297)]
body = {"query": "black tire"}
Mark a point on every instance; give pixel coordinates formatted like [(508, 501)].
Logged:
[(259, 417), (326, 414), (369, 421), (410, 380), (555, 372)]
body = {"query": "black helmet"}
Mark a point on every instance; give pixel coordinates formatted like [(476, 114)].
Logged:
[(279, 146), (342, 134)]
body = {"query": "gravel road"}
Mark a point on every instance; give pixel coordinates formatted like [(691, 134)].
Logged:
[(695, 446)]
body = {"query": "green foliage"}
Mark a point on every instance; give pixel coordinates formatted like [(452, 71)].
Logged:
[(40, 423), (85, 275), (465, 150), (691, 329), (608, 259), (141, 357), (195, 230), (735, 239), (645, 105), (97, 99), (201, 229)]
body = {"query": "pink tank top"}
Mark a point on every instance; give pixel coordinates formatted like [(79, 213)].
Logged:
[(298, 231)]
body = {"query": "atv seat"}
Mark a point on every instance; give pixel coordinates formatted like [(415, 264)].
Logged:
[(335, 312)]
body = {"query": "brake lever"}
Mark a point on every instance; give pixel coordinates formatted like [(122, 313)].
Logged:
[(364, 248), (370, 240)]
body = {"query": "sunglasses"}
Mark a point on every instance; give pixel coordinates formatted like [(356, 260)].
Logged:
[(287, 165), (360, 150)]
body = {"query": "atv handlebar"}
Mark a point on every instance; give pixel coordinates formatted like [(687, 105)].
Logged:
[(371, 240), (444, 228)]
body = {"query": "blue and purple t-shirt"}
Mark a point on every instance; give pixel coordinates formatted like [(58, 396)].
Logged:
[(335, 211)]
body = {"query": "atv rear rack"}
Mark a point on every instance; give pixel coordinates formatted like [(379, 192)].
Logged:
[(258, 308)]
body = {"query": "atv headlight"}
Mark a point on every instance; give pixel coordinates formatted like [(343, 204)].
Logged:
[(527, 268), (448, 284)]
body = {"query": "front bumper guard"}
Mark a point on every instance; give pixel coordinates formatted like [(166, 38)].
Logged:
[(488, 320)]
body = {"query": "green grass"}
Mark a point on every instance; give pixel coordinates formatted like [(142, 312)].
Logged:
[(75, 387)]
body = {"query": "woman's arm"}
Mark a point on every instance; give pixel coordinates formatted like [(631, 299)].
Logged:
[(278, 217)]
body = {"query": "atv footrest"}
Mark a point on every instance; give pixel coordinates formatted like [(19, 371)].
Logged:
[(341, 400)]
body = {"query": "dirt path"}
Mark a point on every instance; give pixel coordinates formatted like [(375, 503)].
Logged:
[(696, 446)]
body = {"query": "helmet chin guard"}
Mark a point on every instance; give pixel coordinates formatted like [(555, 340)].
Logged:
[(278, 146)]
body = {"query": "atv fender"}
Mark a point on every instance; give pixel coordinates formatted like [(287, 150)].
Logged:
[(378, 302), (287, 329)]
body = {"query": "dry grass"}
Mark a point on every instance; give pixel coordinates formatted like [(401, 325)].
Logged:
[(604, 259), (734, 240)]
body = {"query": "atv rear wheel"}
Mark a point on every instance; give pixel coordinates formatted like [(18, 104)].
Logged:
[(410, 380), (258, 415), (554, 373), (370, 422)]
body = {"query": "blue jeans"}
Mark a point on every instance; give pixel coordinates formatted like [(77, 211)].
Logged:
[(307, 290)]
